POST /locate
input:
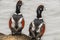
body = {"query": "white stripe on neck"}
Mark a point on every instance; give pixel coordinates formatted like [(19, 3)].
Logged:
[(18, 14), (39, 18)]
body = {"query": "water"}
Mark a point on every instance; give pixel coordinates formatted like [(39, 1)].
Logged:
[(51, 16)]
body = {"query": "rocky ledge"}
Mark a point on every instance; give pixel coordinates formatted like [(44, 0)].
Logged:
[(14, 37)]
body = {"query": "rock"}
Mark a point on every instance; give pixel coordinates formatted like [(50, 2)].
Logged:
[(2, 35), (16, 37)]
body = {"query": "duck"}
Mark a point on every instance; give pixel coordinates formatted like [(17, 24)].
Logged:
[(37, 26), (17, 22)]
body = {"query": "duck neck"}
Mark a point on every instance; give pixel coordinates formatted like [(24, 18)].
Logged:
[(39, 15), (18, 11)]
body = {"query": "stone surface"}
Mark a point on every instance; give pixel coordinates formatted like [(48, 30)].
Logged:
[(14, 37)]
